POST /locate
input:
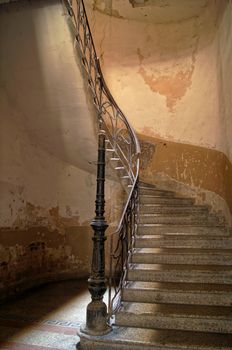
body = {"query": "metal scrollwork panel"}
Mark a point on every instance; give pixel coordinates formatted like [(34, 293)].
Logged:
[(123, 141)]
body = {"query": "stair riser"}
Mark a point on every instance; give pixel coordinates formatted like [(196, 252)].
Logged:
[(153, 191), (185, 243), (180, 276), (145, 184), (183, 220), (170, 297), (172, 340), (164, 200), (172, 322), (146, 258), (112, 345), (193, 230), (171, 210)]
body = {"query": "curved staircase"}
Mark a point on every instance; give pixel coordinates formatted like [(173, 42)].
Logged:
[(175, 289), (178, 288)]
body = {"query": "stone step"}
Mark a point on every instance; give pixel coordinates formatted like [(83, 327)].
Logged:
[(182, 256), (177, 293), (130, 338), (203, 274), (143, 190), (156, 199), (144, 184), (178, 219), (183, 241), (184, 209), (212, 319), (153, 229)]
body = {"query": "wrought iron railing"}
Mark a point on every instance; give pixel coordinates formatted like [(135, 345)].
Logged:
[(121, 250), (121, 139)]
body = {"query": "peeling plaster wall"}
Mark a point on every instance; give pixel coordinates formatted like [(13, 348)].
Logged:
[(168, 66), (46, 206), (198, 172), (47, 151), (173, 65)]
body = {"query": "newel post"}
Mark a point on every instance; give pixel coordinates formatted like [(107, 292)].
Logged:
[(96, 316)]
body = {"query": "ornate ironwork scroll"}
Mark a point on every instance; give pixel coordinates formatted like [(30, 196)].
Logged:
[(121, 139), (122, 243)]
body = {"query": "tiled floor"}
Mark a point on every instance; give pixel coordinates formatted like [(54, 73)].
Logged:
[(45, 318)]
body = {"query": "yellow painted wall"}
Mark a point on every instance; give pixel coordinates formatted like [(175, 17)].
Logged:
[(48, 150), (168, 68)]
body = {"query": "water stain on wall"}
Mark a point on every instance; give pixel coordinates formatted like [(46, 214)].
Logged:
[(173, 87), (32, 215), (173, 84), (37, 255)]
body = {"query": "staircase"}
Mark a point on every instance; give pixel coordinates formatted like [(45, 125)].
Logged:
[(175, 292), (178, 289)]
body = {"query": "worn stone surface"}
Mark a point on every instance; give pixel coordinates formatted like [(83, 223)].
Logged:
[(191, 170), (176, 296)]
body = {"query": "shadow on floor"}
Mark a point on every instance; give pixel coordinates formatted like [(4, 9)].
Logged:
[(46, 317)]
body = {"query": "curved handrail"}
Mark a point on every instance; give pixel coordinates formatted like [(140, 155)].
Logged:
[(121, 136), (116, 106)]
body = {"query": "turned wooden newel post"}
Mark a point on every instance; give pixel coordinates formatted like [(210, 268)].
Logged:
[(96, 317)]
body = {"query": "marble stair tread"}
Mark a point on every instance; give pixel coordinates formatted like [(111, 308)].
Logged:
[(192, 229), (196, 311), (182, 256), (165, 194), (152, 190), (171, 209), (181, 206), (182, 236), (213, 319), (123, 338), (181, 293), (180, 287), (183, 241), (180, 267), (179, 218), (184, 215), (145, 184), (184, 322), (170, 226), (182, 251), (165, 200), (181, 273)]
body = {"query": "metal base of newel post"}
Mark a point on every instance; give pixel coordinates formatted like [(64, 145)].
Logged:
[(96, 315), (96, 320)]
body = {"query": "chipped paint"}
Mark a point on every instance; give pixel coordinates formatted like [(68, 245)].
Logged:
[(48, 154), (172, 87), (39, 257), (203, 169), (48, 200), (106, 7), (32, 215), (168, 70)]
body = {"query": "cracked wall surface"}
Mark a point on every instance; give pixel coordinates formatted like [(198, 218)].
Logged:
[(202, 173), (168, 70), (48, 149), (168, 66), (174, 67)]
